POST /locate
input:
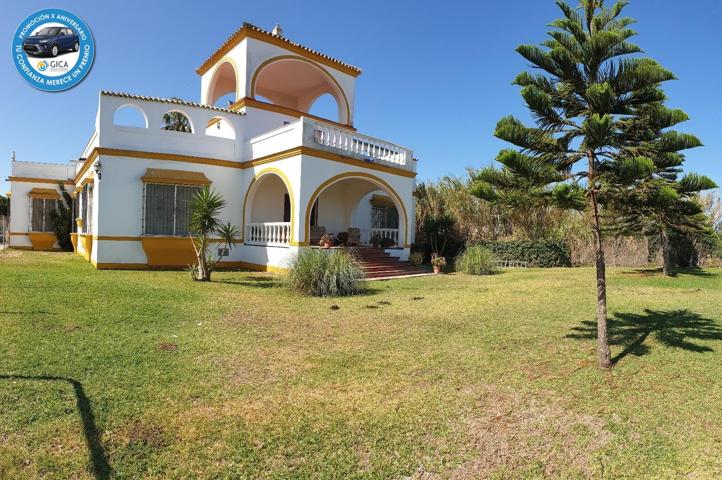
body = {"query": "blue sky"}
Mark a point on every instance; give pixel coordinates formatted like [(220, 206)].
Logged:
[(436, 75)]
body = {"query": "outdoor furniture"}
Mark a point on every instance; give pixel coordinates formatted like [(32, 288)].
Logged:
[(354, 237), (316, 234)]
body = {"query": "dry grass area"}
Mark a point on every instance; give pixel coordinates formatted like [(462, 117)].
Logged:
[(148, 375)]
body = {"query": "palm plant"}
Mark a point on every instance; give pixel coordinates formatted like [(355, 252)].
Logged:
[(176, 121), (594, 134), (206, 206)]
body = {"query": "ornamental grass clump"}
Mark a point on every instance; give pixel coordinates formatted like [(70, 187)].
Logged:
[(324, 273), (476, 260)]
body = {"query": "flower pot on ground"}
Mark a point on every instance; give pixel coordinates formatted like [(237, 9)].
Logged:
[(438, 262), (326, 241)]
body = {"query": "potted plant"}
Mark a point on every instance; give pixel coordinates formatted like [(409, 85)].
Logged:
[(438, 262), (326, 240), (376, 240)]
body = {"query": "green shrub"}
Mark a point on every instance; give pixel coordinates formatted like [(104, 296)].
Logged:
[(476, 260), (322, 273), (539, 253), (416, 258)]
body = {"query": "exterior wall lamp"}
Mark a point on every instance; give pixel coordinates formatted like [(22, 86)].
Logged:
[(97, 167)]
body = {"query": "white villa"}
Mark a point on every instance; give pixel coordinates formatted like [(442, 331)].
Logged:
[(287, 176)]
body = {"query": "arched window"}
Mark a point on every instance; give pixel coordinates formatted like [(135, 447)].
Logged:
[(130, 116), (176, 121), (220, 127)]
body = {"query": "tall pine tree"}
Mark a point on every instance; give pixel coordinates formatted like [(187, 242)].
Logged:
[(590, 97)]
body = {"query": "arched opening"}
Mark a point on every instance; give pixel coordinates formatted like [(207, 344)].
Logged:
[(324, 106), (130, 115), (220, 127), (176, 121), (363, 209), (222, 88), (296, 83), (268, 211)]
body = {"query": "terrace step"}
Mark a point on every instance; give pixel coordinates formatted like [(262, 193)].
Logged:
[(376, 263)]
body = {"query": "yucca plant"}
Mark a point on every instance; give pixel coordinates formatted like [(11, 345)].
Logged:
[(206, 206), (597, 110)]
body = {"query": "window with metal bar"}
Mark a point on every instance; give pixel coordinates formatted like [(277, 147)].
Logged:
[(40, 216), (168, 209)]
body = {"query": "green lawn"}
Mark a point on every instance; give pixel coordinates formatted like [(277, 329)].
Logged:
[(148, 375)]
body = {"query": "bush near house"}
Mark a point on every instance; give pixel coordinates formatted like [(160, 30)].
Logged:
[(476, 260), (538, 253), (326, 274)]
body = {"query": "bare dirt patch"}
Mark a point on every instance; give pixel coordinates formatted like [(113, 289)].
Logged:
[(513, 434)]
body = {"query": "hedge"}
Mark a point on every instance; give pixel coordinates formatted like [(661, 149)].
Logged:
[(538, 253)]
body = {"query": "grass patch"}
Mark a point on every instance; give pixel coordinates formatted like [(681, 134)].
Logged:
[(147, 374)]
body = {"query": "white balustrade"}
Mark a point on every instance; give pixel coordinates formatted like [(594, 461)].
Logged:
[(392, 233), (371, 148), (268, 233)]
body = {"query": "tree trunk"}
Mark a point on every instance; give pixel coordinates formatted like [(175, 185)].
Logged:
[(666, 260), (605, 358)]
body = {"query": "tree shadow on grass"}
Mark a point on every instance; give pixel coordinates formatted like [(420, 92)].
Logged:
[(672, 328), (255, 281), (657, 272), (98, 458)]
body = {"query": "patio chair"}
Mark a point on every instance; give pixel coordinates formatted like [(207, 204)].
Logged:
[(354, 237)]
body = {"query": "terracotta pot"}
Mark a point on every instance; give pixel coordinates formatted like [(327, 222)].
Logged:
[(437, 270), (326, 245)]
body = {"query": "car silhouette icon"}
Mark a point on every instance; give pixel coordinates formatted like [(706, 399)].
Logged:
[(51, 41)]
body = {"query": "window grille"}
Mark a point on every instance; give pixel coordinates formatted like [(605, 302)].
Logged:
[(167, 209), (40, 217)]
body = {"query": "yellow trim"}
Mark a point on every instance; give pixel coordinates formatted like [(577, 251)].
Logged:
[(271, 107), (43, 241), (9, 194), (86, 181), (174, 177), (389, 189), (381, 201), (39, 180), (86, 240), (74, 241), (247, 32), (302, 59), (256, 267), (168, 251), (326, 155), (221, 266), (115, 152), (218, 65), (109, 238), (120, 266), (49, 193), (289, 188), (88, 162)]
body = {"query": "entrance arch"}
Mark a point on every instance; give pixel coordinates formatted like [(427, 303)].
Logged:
[(269, 200), (372, 183)]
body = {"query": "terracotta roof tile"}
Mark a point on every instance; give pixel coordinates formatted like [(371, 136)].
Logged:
[(175, 101), (238, 35)]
